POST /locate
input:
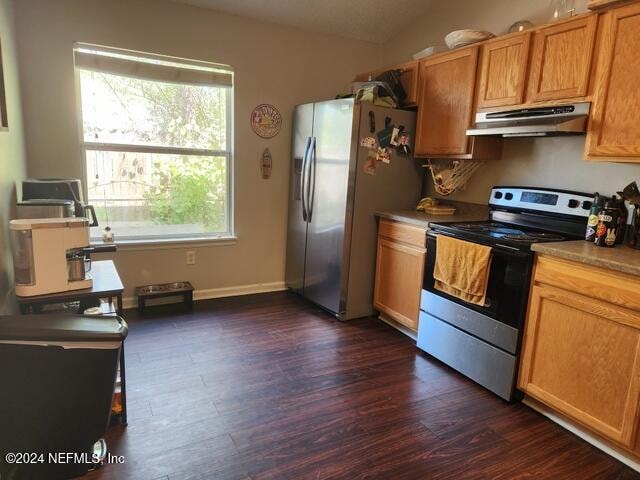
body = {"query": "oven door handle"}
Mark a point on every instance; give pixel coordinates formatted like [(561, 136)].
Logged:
[(506, 249)]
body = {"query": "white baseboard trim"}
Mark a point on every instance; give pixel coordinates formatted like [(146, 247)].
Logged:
[(401, 328), (208, 293), (576, 430)]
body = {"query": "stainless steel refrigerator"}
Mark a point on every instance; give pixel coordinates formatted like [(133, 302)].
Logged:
[(331, 242)]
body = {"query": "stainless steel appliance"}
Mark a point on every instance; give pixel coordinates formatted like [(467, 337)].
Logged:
[(78, 266), (568, 119), (332, 229), (51, 208), (41, 252), (51, 255), (52, 190), (483, 342)]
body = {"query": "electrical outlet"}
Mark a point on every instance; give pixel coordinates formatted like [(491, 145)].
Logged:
[(191, 257)]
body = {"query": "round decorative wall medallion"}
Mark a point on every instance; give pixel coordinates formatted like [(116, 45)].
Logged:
[(266, 120)]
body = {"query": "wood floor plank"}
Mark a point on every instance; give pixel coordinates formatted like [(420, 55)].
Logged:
[(271, 387)]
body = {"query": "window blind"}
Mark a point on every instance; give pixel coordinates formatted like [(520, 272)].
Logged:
[(150, 69)]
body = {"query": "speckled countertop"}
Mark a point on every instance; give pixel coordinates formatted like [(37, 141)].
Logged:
[(465, 212), (620, 258)]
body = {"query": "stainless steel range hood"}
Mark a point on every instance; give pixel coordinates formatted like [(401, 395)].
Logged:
[(568, 119)]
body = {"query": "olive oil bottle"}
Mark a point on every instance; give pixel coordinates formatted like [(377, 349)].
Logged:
[(592, 222)]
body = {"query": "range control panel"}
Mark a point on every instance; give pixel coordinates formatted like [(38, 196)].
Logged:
[(541, 200)]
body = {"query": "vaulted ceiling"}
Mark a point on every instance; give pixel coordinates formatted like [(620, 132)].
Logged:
[(370, 20)]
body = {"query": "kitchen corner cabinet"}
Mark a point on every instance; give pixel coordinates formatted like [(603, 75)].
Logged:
[(408, 79), (561, 59), (613, 133), (446, 107), (503, 72), (399, 271), (581, 347)]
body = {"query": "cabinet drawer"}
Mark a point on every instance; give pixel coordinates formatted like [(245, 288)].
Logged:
[(402, 232), (593, 282), (445, 342)]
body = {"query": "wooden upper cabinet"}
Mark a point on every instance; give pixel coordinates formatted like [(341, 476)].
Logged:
[(445, 106), (561, 60), (614, 132), (408, 79), (503, 73)]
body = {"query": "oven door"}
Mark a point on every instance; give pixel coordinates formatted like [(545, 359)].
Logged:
[(507, 289), (481, 342)]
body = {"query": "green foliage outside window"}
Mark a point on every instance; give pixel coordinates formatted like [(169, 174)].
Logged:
[(189, 192), (175, 189)]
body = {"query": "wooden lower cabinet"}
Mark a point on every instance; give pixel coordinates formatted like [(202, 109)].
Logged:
[(399, 272), (581, 349)]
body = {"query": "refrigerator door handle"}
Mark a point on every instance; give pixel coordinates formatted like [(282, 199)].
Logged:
[(312, 179), (303, 183)]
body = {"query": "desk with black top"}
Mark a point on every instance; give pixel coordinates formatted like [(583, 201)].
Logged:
[(106, 284)]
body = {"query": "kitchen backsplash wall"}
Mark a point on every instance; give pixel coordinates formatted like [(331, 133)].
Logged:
[(496, 16), (545, 162)]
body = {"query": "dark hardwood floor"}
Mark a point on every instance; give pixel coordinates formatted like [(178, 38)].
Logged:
[(269, 387)]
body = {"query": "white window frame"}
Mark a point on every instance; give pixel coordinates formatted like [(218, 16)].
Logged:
[(222, 237)]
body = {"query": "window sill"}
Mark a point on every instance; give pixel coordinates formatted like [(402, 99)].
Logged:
[(170, 243)]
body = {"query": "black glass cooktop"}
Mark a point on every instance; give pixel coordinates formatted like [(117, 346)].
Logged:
[(494, 233)]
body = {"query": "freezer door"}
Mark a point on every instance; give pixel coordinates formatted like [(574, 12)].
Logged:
[(331, 169), (297, 226), (394, 186)]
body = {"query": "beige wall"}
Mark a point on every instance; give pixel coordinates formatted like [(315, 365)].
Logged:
[(12, 159), (273, 64), (495, 16), (546, 162)]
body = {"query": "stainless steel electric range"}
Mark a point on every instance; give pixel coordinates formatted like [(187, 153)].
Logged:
[(483, 342)]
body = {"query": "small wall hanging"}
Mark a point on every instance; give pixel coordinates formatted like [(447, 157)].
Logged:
[(4, 122), (266, 163), (266, 120)]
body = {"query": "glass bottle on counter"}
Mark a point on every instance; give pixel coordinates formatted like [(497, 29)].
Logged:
[(607, 228), (622, 222), (592, 222)]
